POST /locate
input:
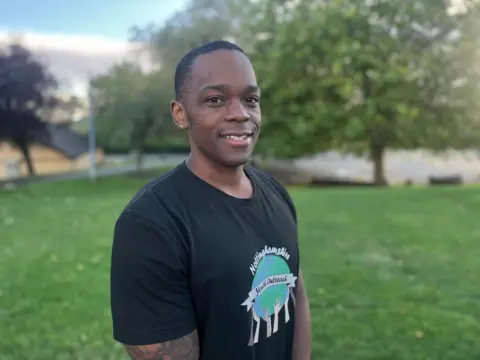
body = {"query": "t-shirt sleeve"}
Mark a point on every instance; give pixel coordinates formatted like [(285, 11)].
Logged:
[(149, 281), (284, 194)]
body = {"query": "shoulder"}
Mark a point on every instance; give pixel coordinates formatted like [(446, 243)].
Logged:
[(157, 205), (158, 195), (151, 226), (156, 189), (267, 181)]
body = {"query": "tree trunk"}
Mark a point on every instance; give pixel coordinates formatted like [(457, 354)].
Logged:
[(138, 161), (23, 146), (377, 154), (138, 135)]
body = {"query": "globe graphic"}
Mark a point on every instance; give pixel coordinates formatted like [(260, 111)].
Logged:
[(265, 302)]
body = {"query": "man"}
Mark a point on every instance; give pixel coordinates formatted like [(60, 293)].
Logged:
[(205, 261)]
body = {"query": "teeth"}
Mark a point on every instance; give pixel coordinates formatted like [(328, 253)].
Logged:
[(233, 137)]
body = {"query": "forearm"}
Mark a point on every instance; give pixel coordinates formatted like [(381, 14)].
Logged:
[(185, 348), (302, 339)]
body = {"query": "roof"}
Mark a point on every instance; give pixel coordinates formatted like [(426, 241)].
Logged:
[(63, 139)]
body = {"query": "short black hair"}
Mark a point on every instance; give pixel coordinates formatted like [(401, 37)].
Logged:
[(184, 66)]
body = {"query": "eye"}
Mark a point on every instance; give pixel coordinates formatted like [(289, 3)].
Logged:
[(253, 100), (214, 100)]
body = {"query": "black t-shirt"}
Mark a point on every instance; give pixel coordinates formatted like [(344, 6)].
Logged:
[(188, 256)]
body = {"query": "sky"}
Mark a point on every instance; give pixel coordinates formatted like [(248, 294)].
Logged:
[(110, 18), (79, 39)]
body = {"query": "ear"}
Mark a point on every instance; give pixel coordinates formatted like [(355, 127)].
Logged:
[(178, 114)]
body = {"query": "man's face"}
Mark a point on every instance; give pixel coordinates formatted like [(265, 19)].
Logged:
[(221, 108)]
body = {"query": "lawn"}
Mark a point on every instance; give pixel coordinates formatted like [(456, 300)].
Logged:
[(391, 274)]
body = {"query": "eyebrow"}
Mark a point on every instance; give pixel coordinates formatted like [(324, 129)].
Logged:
[(223, 87)]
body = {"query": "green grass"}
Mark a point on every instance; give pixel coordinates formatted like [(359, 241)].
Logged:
[(391, 274)]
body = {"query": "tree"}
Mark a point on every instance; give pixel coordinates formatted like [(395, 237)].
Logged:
[(26, 87), (132, 106), (64, 110), (202, 21), (139, 99), (365, 75)]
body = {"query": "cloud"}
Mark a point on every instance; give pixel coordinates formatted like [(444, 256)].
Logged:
[(73, 59)]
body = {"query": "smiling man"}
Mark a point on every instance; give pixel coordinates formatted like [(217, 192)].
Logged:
[(205, 259)]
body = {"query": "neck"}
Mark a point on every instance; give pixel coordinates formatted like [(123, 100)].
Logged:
[(217, 175)]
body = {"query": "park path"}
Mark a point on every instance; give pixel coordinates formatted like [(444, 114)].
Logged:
[(150, 163), (399, 166), (417, 165)]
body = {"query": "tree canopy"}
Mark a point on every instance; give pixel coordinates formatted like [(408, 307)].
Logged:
[(26, 88), (357, 76), (364, 76)]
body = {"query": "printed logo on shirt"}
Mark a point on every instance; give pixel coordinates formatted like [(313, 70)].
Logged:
[(271, 292)]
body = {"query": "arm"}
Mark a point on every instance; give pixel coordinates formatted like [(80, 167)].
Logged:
[(152, 309), (302, 338), (185, 348)]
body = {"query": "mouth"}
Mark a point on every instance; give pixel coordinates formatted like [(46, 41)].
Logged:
[(237, 136), (238, 139)]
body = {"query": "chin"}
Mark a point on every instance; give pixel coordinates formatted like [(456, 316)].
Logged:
[(234, 162), (228, 157)]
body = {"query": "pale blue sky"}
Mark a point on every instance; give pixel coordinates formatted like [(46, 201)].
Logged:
[(111, 18)]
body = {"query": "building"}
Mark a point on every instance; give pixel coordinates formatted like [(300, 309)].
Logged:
[(64, 151)]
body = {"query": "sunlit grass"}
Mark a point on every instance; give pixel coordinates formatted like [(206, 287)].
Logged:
[(391, 274)]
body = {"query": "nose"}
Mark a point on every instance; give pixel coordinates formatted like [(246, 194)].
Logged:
[(237, 112)]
